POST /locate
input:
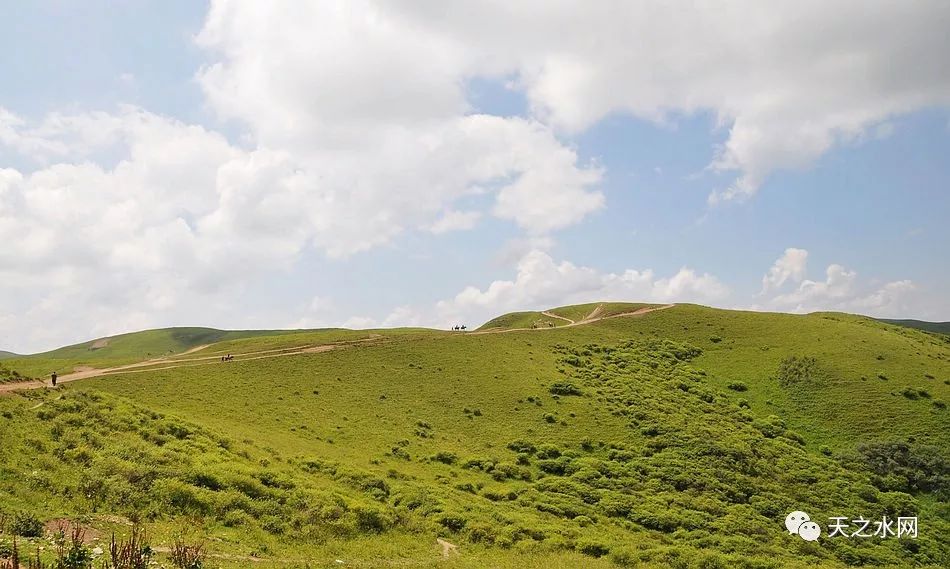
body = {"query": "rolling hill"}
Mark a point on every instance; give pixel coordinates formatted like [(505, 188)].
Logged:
[(128, 348), (7, 355), (935, 327), (620, 435)]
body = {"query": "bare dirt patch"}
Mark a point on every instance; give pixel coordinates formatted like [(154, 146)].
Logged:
[(62, 526)]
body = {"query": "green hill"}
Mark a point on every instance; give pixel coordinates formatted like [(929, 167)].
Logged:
[(562, 316), (128, 348), (7, 355), (677, 437), (936, 327)]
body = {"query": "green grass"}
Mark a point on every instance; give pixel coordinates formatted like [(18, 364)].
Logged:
[(516, 320), (935, 327), (627, 441), (127, 348), (7, 355), (580, 312)]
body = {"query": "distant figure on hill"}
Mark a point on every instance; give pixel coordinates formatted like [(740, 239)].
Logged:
[(462, 327), (54, 376)]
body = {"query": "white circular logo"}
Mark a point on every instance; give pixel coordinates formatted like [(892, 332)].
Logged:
[(795, 519)]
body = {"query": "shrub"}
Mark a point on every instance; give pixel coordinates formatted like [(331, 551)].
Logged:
[(548, 451), (132, 553), (906, 468), (796, 369), (445, 457), (25, 524), (593, 548), (564, 388), (738, 386), (187, 556), (522, 447), (453, 523), (910, 393), (372, 520)]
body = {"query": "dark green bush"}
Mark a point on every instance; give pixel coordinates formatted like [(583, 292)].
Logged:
[(445, 457), (564, 388), (25, 524), (738, 386), (522, 446), (906, 468), (593, 548)]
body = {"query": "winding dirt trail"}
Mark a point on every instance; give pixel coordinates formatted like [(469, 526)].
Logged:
[(179, 361), (552, 315), (594, 316)]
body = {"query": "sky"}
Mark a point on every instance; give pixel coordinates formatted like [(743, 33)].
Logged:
[(366, 163)]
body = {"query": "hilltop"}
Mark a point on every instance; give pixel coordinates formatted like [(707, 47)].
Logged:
[(6, 355), (619, 435)]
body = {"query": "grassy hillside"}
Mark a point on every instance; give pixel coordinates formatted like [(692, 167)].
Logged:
[(579, 312), (517, 320), (562, 316), (6, 355), (127, 348), (679, 437), (935, 327)]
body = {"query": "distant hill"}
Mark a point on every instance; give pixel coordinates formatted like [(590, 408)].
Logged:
[(936, 327), (562, 316), (129, 348), (7, 355)]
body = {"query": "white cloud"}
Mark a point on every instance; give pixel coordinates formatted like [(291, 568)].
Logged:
[(840, 291), (358, 130), (790, 79), (541, 282), (454, 220), (791, 265)]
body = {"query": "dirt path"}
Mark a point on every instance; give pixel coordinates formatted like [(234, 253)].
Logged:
[(594, 316), (174, 362), (179, 361), (448, 549), (552, 315)]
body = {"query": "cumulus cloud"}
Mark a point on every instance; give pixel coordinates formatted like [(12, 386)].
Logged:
[(791, 265), (356, 128), (789, 79), (841, 290), (541, 282)]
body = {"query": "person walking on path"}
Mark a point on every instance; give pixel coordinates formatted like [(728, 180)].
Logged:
[(54, 376)]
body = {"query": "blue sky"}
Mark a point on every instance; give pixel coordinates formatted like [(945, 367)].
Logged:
[(364, 164)]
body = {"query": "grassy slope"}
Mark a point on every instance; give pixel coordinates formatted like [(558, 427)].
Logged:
[(7, 355), (580, 312), (936, 327), (127, 348), (575, 312), (422, 393), (522, 320)]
